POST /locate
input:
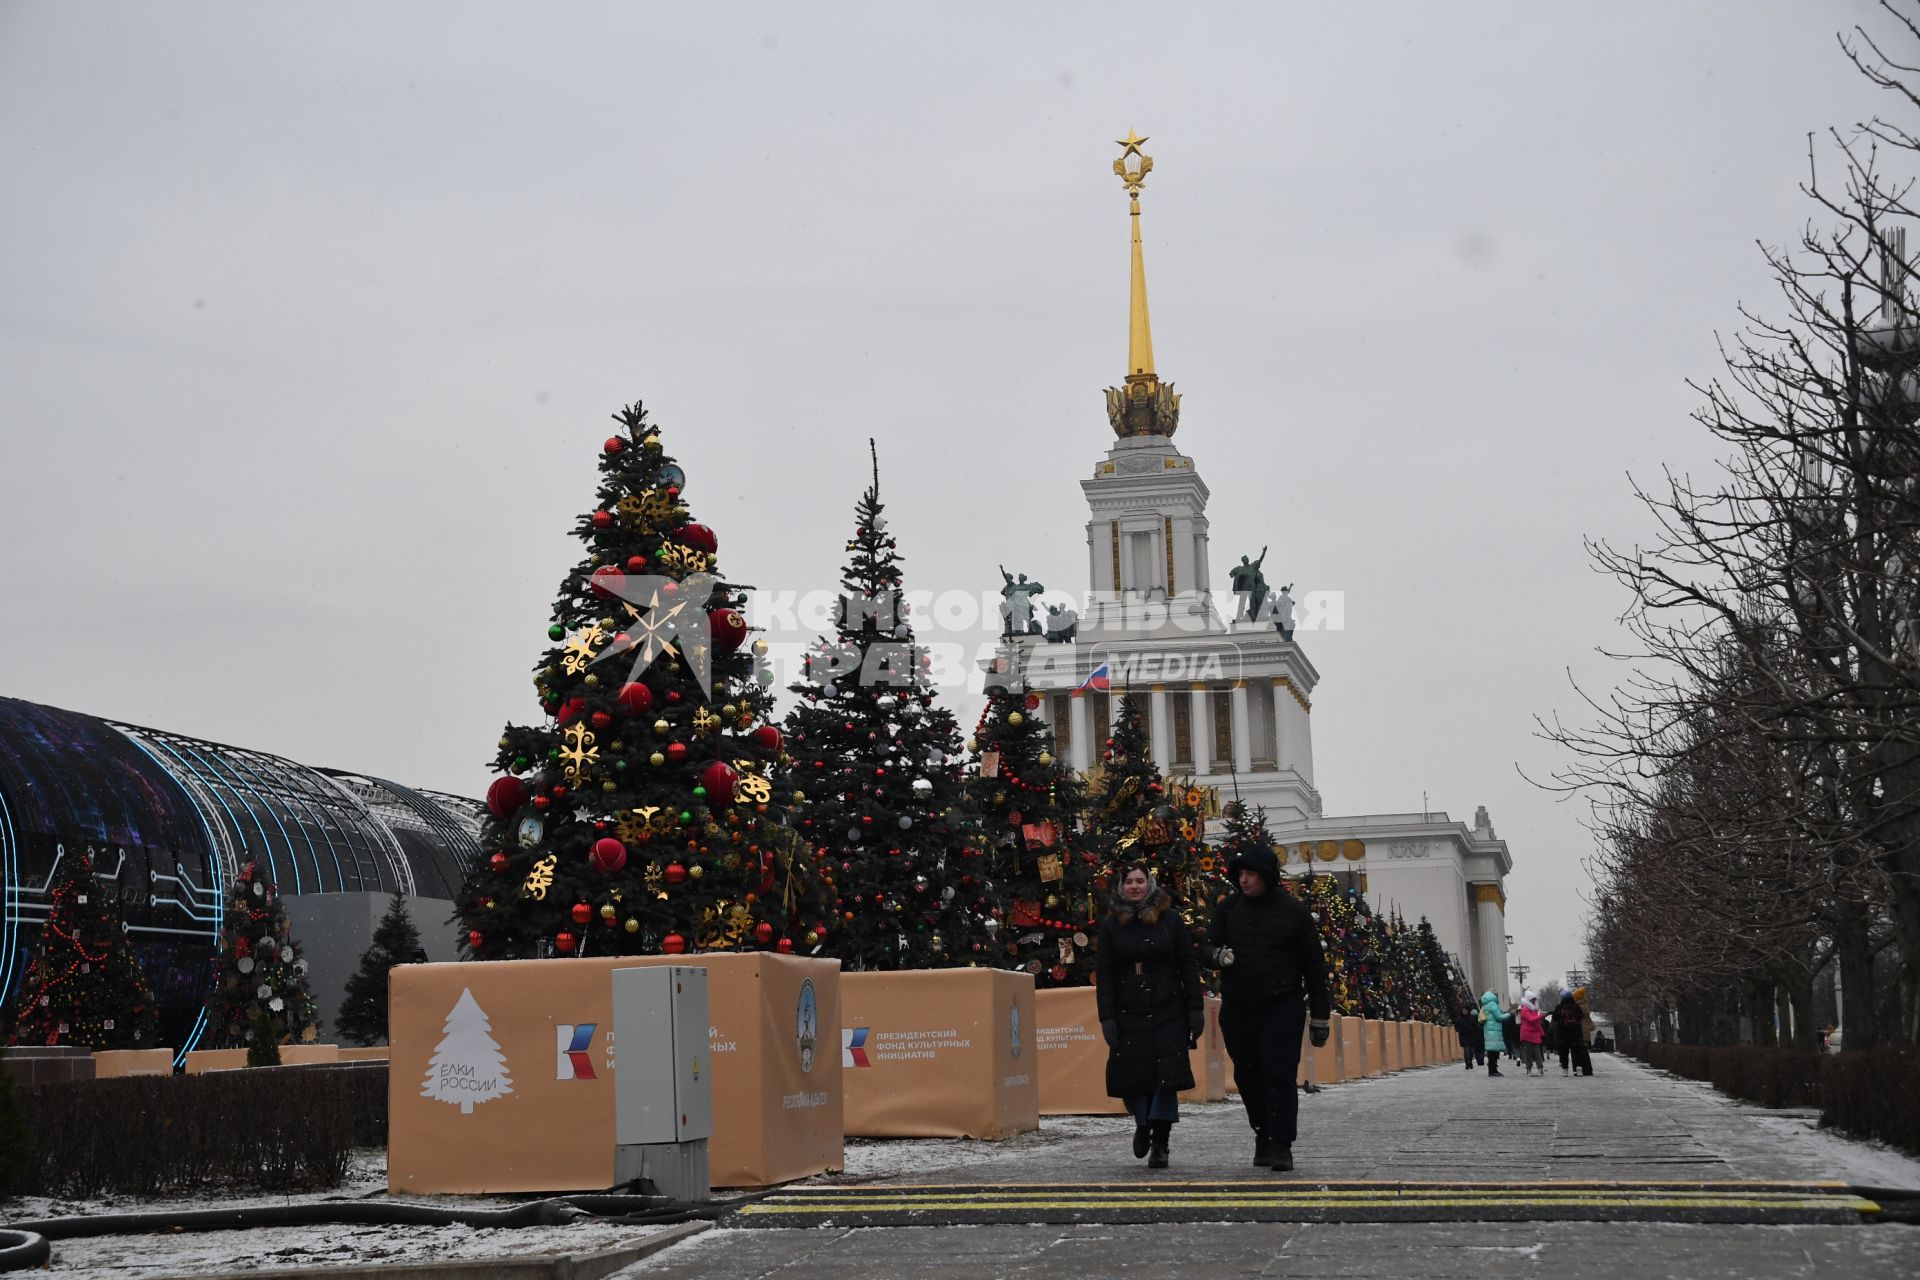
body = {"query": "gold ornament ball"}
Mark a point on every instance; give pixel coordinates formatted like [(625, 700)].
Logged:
[(760, 647), (609, 785), (619, 746), (1015, 719), (657, 759), (696, 871), (973, 744), (729, 710), (593, 682), (606, 911), (813, 939), (799, 797), (661, 726), (1046, 758), (651, 442), (1053, 899), (633, 926), (503, 743)]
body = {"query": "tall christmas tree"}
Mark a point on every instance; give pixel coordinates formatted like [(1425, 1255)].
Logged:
[(1029, 802), (648, 814), (83, 986), (363, 1014), (880, 767), (1136, 815), (261, 976)]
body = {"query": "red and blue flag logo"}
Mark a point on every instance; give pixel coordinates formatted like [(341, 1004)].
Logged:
[(571, 1061), (853, 1047)]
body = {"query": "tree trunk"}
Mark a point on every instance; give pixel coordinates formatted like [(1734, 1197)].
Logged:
[(1859, 1014)]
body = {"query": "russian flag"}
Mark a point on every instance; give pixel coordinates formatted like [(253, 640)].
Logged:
[(1097, 680)]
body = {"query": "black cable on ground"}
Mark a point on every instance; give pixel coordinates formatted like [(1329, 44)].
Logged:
[(22, 1249)]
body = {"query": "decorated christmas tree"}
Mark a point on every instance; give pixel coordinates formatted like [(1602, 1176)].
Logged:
[(1135, 815), (648, 813), (363, 1014), (260, 987), (880, 768), (83, 986), (1028, 801)]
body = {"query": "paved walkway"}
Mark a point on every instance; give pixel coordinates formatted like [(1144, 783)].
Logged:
[(1440, 1124)]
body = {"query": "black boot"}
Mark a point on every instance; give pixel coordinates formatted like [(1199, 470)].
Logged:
[(1157, 1152), (1139, 1141), (1262, 1151), (1282, 1161)]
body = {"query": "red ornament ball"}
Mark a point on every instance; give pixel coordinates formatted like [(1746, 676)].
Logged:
[(499, 862), (505, 795), (763, 933), (475, 938), (675, 873), (582, 913), (636, 564), (719, 779), (563, 942), (697, 536), (569, 709), (673, 944), (786, 946), (767, 738), (614, 444), (607, 581), (676, 751), (635, 698), (1033, 702), (601, 720), (542, 803), (603, 519), (729, 629), (609, 855)]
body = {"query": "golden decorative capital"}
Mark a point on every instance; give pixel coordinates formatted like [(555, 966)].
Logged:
[(1130, 150)]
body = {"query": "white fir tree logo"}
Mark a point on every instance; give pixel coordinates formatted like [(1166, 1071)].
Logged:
[(468, 1066)]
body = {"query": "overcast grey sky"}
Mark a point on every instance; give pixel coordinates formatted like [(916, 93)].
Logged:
[(311, 318)]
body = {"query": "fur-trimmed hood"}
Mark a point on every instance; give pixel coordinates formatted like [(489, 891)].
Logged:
[(1151, 907)]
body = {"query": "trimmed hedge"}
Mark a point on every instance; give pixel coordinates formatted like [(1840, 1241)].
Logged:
[(1873, 1093), (264, 1129)]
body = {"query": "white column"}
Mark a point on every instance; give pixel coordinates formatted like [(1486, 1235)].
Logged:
[(1491, 945), (1283, 735), (1162, 728), (1242, 740), (1202, 731), (1082, 747)]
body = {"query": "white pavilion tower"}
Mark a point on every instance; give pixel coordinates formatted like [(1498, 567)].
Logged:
[(1229, 703)]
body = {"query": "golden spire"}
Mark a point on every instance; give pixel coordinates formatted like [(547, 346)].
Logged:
[(1139, 328), (1146, 407)]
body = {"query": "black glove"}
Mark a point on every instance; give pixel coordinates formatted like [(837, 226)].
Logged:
[(1196, 1026), (1110, 1028), (1319, 1030)]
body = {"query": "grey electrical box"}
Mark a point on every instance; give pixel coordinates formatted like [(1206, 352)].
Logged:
[(663, 1083)]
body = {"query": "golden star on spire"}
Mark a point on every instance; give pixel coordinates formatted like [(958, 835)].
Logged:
[(1131, 142)]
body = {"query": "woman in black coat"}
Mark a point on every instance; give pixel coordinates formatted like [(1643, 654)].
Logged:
[(1151, 1010)]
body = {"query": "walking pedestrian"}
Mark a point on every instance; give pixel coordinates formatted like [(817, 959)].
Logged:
[(1533, 1035), (1151, 1008), (1566, 1030), (1267, 947), (1583, 1062), (1492, 1038), (1472, 1047)]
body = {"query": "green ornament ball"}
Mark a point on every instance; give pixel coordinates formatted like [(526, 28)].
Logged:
[(556, 632), (701, 792)]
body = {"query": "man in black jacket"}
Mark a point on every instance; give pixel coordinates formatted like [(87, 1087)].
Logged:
[(1268, 950)]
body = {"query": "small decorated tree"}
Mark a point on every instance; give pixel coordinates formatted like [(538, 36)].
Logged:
[(363, 1014), (880, 765), (83, 986), (1029, 801), (1136, 815), (260, 996), (648, 813)]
